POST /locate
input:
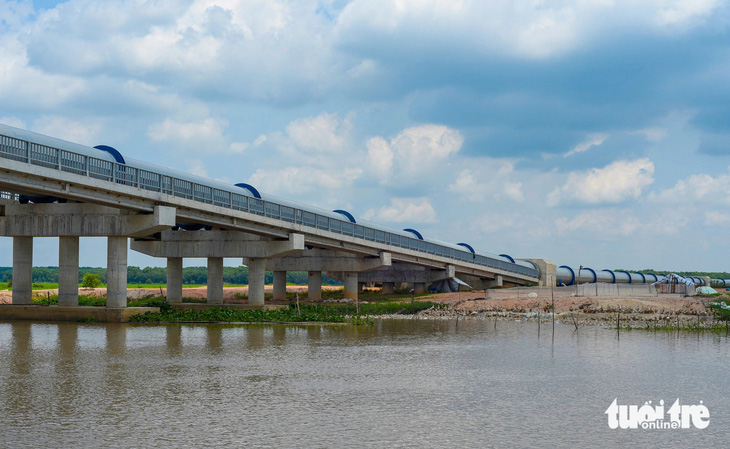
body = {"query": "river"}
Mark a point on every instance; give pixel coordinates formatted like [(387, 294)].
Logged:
[(398, 383)]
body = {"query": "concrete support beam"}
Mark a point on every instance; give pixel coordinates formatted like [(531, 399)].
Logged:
[(408, 273), (548, 272), (314, 286), (388, 288), (85, 220), (256, 284), (328, 260), (116, 272), (279, 285), (68, 271), (174, 279), (419, 288), (215, 280), (351, 285), (22, 270), (218, 244)]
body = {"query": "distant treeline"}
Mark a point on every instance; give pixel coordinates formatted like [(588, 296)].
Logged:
[(711, 274), (158, 275)]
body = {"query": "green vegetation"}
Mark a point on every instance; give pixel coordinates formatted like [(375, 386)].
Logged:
[(91, 280), (334, 313), (711, 274)]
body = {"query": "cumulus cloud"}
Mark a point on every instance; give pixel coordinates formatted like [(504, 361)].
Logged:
[(404, 210), (414, 152), (325, 133), (206, 135), (326, 188), (614, 183), (702, 187)]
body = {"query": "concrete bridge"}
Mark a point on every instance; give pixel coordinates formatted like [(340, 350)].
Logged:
[(54, 188)]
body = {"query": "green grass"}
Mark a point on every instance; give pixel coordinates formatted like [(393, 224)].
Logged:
[(331, 313)]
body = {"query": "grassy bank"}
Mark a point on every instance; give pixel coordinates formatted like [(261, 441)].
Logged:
[(334, 313)]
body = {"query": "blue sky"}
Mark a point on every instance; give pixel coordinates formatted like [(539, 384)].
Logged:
[(591, 133)]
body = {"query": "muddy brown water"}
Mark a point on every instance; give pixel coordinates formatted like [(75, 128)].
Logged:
[(399, 383)]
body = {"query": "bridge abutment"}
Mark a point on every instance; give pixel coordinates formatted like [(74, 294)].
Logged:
[(116, 272), (279, 285), (351, 285), (68, 271), (256, 282), (215, 280), (22, 270), (314, 285), (174, 279)]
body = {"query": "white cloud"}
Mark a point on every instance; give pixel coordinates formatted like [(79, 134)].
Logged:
[(709, 189), (513, 191), (716, 218), (13, 121), (206, 135), (593, 140), (86, 132), (652, 134), (410, 210), (325, 133), (413, 153), (322, 187), (614, 183), (600, 223)]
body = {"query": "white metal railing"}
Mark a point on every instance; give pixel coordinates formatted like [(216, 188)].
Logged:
[(67, 161)]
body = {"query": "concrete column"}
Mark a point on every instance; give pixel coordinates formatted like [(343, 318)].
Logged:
[(256, 271), (116, 272), (215, 280), (68, 271), (351, 285), (314, 286), (22, 270), (279, 285), (174, 279), (388, 288), (419, 287), (360, 287)]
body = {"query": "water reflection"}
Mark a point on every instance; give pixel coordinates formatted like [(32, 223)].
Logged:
[(398, 383)]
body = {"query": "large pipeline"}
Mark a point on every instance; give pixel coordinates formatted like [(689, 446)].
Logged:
[(571, 276)]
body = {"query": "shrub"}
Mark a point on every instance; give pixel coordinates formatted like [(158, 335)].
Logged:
[(91, 280)]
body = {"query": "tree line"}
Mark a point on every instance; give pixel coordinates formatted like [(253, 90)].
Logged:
[(158, 275)]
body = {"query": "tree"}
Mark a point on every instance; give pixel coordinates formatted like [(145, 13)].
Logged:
[(91, 280)]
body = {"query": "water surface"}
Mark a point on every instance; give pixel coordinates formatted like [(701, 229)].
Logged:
[(400, 383)]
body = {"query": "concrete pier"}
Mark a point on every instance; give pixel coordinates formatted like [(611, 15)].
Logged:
[(388, 288), (279, 285), (174, 279), (215, 280), (351, 285), (256, 281), (419, 288), (22, 270), (314, 286), (116, 272), (68, 271)]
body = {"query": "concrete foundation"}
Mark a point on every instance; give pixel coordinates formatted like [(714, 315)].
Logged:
[(22, 270), (279, 285), (419, 288), (116, 272), (68, 271), (314, 286), (256, 281), (388, 288), (174, 279), (215, 280), (67, 313), (351, 285)]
